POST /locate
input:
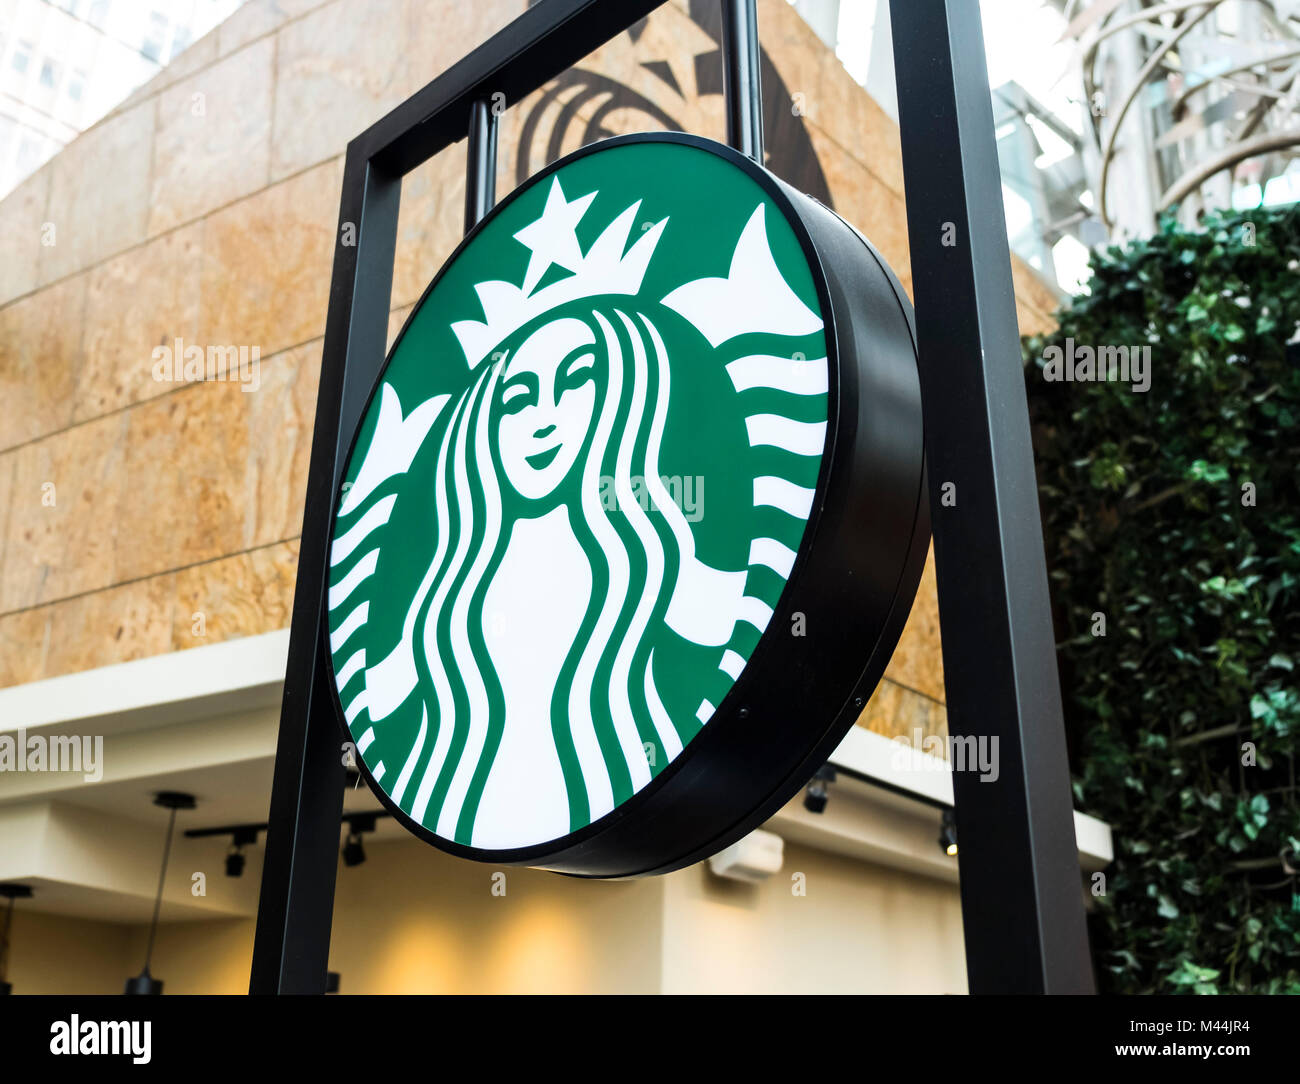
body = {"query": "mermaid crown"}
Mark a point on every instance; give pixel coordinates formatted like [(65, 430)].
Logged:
[(752, 297), (607, 267)]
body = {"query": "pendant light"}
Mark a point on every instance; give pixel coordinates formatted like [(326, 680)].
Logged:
[(9, 892), (145, 983)]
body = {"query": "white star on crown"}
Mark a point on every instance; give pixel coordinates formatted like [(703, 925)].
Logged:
[(553, 237), (605, 268)]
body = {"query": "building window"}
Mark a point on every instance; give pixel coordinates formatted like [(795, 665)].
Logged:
[(22, 54), (30, 154), (99, 12), (157, 37), (49, 73), (76, 85)]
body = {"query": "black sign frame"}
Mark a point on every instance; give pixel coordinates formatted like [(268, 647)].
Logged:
[(852, 583), (1021, 893)]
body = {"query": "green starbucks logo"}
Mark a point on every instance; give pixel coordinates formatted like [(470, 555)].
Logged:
[(577, 494)]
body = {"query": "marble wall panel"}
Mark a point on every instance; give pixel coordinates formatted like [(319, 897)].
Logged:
[(213, 141), (23, 638), (256, 18), (896, 712), (279, 427), (267, 262), (147, 297), (40, 360), (123, 623), (22, 213), (343, 66), (917, 662), (94, 218), (244, 595), (68, 507)]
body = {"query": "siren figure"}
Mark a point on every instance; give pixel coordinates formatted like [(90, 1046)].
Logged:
[(528, 647)]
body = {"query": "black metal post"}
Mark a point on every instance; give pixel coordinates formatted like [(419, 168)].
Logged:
[(1022, 898), (296, 907), (741, 77), (481, 163)]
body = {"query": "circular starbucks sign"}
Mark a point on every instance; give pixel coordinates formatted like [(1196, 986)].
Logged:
[(633, 518)]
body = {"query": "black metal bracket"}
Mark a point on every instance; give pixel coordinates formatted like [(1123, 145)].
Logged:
[(1022, 895), (1022, 903), (742, 77), (481, 163)]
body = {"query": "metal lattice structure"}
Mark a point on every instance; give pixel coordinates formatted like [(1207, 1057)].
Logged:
[(1193, 97)]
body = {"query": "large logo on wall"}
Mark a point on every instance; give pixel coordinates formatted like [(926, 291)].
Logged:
[(562, 601), (579, 106)]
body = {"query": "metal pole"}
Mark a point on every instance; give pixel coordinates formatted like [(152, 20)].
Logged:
[(4, 943), (481, 163), (1022, 897), (741, 78), (296, 907)]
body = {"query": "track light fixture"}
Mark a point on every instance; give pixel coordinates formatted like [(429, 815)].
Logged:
[(948, 833), (241, 836), (145, 983), (814, 799), (239, 839), (246, 835), (353, 852), (234, 863)]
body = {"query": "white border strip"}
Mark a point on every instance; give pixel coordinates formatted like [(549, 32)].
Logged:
[(898, 765), (232, 675)]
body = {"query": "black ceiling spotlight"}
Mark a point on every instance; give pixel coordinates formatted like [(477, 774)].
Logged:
[(9, 892), (353, 853), (948, 832), (144, 983), (240, 838), (814, 799)]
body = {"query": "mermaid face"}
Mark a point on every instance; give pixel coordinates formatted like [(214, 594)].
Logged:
[(547, 400)]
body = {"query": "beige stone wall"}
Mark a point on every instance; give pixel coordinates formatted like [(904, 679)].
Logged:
[(204, 208)]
